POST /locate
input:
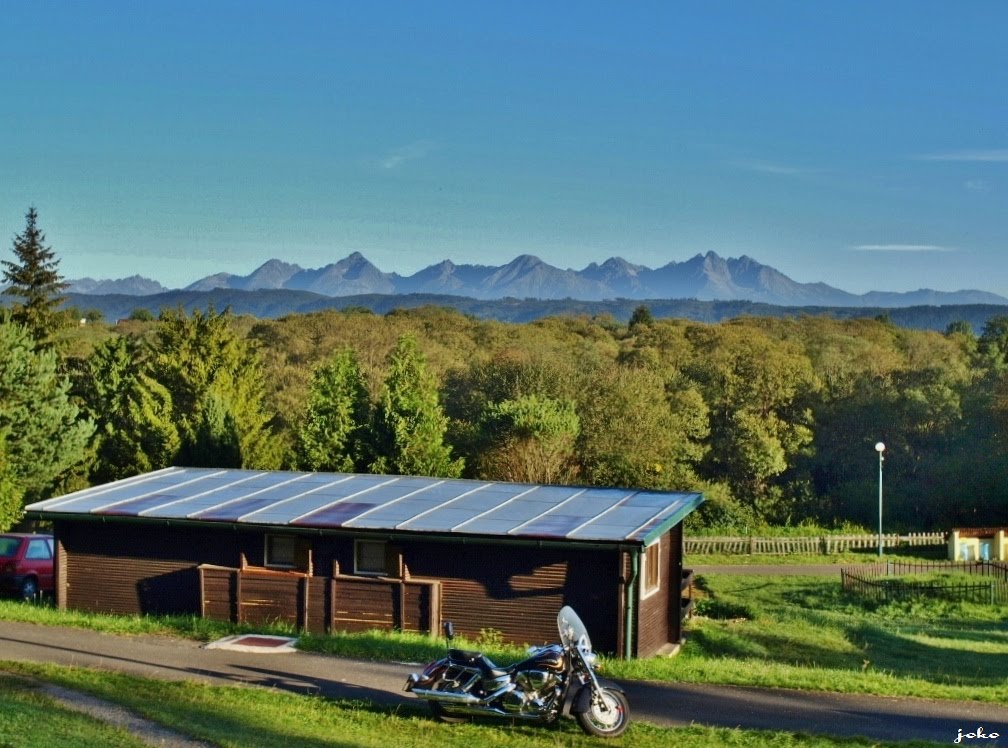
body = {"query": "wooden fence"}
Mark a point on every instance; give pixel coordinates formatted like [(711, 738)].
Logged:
[(880, 582), (823, 544), (319, 604)]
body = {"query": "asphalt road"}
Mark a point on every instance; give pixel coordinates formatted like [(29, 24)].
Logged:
[(677, 704)]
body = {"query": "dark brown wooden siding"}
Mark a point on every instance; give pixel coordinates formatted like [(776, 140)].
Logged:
[(100, 584), (317, 621), (219, 593), (59, 574), (127, 567), (518, 590), (268, 597), (136, 569), (652, 615), (677, 610), (658, 617)]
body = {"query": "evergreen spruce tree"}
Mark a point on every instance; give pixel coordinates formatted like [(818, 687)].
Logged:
[(217, 388), (43, 438), (35, 278), (132, 412), (410, 425), (332, 432)]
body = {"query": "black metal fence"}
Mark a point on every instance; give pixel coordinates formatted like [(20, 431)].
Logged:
[(988, 583)]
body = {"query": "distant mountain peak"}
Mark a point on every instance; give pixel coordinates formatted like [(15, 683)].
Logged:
[(705, 277), (134, 285)]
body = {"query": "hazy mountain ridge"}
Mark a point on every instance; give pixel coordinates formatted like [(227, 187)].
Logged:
[(279, 302), (707, 277)]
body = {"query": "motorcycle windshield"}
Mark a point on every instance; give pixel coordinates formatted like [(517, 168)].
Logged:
[(572, 631)]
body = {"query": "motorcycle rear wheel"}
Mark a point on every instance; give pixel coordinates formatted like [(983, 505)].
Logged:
[(442, 716), (607, 716)]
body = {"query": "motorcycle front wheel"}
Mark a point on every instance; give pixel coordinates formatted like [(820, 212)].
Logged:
[(607, 716)]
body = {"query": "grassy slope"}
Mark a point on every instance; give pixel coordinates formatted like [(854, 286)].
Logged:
[(804, 632), (30, 719), (793, 632), (239, 716)]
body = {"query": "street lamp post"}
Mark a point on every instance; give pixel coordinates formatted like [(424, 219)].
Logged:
[(880, 448)]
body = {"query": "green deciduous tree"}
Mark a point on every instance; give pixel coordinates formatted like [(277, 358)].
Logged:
[(993, 343), (132, 412), (216, 385), (409, 424), (529, 439), (641, 317), (44, 439), (639, 430), (332, 433), (35, 278), (10, 493), (758, 391)]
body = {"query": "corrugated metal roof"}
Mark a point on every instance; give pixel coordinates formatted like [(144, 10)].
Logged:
[(409, 504)]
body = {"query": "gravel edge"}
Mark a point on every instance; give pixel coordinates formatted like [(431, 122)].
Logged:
[(144, 729)]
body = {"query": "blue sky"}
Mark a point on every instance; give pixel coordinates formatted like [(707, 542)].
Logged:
[(862, 144)]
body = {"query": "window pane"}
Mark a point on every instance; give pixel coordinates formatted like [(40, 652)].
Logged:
[(370, 557), (281, 550), (8, 547), (652, 568), (38, 549)]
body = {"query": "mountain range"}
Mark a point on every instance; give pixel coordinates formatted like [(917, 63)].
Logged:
[(706, 277)]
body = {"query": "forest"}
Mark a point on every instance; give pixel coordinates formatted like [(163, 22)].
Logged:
[(774, 419)]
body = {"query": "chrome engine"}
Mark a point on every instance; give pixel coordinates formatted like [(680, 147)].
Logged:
[(536, 690)]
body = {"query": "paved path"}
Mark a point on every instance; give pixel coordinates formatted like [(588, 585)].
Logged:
[(678, 704)]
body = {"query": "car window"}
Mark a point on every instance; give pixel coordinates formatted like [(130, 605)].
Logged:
[(38, 549), (8, 547)]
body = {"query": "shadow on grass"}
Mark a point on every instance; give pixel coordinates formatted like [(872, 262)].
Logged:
[(927, 552), (896, 652), (770, 645)]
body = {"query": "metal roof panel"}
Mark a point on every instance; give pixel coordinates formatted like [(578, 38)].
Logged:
[(382, 502)]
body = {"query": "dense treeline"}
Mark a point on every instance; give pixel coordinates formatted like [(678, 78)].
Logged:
[(775, 420)]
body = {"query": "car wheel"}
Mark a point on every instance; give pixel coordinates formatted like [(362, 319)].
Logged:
[(29, 588)]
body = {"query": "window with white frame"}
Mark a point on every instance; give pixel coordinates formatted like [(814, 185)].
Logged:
[(650, 572), (369, 557)]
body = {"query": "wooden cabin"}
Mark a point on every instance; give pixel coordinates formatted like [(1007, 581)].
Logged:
[(332, 551)]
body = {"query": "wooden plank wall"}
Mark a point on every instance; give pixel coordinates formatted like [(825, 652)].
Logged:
[(364, 603), (319, 604), (102, 584), (517, 592), (653, 610), (514, 591), (267, 597)]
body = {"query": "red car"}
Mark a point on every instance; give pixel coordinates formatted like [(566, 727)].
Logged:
[(26, 564)]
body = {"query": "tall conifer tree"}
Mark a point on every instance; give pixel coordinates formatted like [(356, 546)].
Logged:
[(35, 278), (410, 426)]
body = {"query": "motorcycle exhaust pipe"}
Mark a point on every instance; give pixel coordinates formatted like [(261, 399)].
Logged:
[(461, 699)]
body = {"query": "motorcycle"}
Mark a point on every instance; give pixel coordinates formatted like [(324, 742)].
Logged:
[(553, 681)]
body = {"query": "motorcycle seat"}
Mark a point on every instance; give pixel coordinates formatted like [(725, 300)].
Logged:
[(477, 659)]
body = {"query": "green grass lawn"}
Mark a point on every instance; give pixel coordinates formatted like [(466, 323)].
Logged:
[(784, 631), (30, 719), (805, 632), (248, 716)]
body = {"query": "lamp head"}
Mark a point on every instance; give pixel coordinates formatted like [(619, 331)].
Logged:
[(880, 447)]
